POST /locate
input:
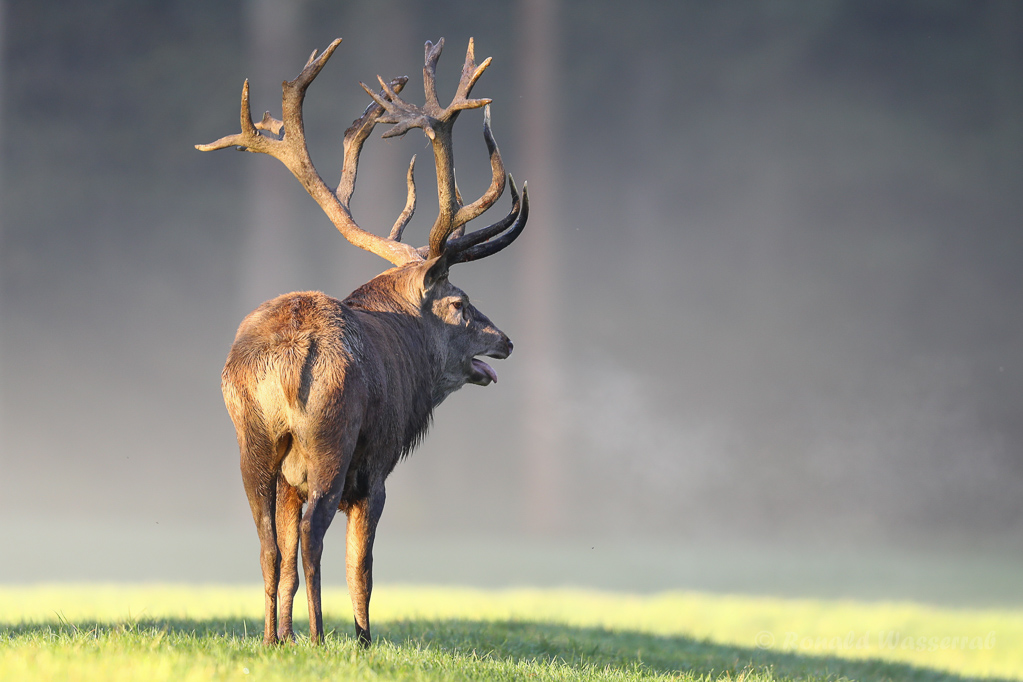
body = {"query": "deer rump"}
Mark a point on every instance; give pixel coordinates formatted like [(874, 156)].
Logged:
[(307, 371)]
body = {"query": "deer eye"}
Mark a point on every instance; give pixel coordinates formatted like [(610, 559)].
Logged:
[(459, 309)]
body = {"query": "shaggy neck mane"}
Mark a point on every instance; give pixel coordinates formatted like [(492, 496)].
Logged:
[(388, 292), (389, 300)]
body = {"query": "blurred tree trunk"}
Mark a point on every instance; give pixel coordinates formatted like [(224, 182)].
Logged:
[(3, 172), (271, 259), (543, 412), (380, 40), (1006, 20)]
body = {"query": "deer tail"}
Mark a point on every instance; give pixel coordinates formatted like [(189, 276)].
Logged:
[(296, 370)]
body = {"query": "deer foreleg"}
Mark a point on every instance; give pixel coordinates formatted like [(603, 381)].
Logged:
[(363, 516)]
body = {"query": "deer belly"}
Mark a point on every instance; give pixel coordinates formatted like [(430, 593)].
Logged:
[(293, 468)]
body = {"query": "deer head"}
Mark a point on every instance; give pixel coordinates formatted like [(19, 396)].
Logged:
[(455, 331)]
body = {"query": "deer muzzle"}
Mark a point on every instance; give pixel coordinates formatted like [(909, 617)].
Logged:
[(483, 374)]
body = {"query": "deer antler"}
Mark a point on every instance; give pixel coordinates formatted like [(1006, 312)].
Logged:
[(437, 123), (481, 243), (285, 142)]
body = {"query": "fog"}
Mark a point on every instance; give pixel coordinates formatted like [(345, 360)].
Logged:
[(767, 308)]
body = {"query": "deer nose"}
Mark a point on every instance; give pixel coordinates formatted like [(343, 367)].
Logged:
[(502, 348)]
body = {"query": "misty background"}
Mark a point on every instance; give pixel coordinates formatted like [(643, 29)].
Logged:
[(767, 309)]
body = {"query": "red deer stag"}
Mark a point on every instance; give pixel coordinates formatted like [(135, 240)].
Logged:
[(325, 395)]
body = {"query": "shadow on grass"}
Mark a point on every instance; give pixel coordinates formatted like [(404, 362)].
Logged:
[(526, 641), (598, 648)]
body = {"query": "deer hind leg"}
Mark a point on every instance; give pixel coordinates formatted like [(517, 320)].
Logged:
[(289, 509), (327, 469), (363, 516), (260, 478)]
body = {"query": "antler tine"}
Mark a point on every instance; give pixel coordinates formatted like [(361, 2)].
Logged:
[(470, 74), (410, 204), (496, 189), (294, 96), (287, 144), (489, 248), (248, 139), (430, 74), (356, 136), (403, 115), (313, 66), (271, 125), (460, 242)]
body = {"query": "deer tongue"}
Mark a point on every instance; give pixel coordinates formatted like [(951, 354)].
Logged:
[(484, 368)]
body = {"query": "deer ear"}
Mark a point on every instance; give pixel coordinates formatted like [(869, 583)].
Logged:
[(435, 272)]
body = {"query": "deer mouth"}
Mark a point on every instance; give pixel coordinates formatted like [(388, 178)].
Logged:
[(481, 373)]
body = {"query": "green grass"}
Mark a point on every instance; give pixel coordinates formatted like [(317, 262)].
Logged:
[(158, 632)]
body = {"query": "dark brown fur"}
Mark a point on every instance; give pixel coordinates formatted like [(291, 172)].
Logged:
[(326, 397)]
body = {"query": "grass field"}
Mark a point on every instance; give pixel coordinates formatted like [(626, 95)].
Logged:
[(97, 632)]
